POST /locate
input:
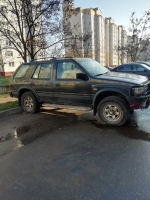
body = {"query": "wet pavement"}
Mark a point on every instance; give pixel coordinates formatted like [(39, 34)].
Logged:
[(67, 154)]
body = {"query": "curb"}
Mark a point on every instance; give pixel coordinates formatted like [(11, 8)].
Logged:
[(9, 112)]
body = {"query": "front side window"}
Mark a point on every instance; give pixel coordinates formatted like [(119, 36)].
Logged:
[(22, 71), (43, 71), (67, 70), (126, 68), (120, 68)]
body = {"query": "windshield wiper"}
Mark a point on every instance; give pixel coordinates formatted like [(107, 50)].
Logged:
[(100, 74)]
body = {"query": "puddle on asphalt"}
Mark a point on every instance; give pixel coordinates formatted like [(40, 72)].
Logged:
[(130, 130), (24, 135), (6, 137)]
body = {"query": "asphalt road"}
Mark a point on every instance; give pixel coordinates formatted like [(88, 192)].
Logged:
[(66, 154)]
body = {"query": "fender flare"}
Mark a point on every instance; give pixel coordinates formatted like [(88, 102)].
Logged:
[(107, 90), (29, 88)]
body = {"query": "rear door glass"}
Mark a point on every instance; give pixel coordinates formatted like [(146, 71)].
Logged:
[(22, 71), (43, 71)]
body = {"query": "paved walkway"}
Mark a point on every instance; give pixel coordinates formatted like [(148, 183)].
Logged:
[(7, 99)]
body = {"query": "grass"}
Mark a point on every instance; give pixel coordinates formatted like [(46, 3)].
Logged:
[(4, 95), (4, 81), (8, 105)]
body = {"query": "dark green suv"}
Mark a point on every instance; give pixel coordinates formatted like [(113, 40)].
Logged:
[(80, 82)]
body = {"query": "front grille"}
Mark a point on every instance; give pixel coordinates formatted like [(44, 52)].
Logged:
[(149, 87)]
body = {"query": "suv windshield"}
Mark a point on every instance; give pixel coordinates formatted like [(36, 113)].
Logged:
[(92, 67)]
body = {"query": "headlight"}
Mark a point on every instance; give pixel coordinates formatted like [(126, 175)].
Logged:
[(138, 90)]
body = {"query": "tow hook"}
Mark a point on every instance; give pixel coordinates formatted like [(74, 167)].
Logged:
[(145, 104)]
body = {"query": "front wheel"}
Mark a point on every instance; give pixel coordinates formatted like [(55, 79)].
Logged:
[(29, 102), (113, 110)]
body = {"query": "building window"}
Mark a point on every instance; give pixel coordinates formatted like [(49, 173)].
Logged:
[(11, 64), (8, 43), (9, 53), (19, 44), (4, 9)]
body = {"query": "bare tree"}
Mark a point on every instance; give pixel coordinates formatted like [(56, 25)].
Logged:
[(79, 46), (138, 41), (32, 25)]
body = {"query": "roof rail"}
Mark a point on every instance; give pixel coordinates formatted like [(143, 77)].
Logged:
[(45, 58), (63, 57)]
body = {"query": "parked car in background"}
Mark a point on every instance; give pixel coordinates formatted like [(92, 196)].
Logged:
[(108, 67), (133, 68)]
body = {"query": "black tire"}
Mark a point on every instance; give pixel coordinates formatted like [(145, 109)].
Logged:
[(29, 102), (113, 111), (131, 111)]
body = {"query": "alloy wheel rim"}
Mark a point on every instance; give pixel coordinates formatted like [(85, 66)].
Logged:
[(28, 103), (112, 112)]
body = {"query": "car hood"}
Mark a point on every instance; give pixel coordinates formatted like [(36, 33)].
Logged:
[(124, 77)]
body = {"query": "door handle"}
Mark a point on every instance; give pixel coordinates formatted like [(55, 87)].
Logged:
[(31, 83)]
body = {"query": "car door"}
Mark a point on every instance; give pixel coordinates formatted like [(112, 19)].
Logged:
[(140, 70), (67, 88), (41, 81)]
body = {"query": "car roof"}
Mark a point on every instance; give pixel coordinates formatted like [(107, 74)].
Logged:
[(53, 59), (130, 63), (142, 64)]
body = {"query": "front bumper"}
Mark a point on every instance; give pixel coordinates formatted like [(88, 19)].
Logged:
[(139, 103)]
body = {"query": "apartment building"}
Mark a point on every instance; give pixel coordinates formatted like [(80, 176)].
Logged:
[(111, 32), (10, 58), (87, 22), (106, 36), (122, 41)]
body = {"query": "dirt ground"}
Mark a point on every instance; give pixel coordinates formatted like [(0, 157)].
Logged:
[(7, 99)]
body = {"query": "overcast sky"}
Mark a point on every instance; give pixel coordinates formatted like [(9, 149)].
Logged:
[(119, 10)]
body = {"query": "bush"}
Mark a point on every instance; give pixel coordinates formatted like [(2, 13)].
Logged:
[(4, 81)]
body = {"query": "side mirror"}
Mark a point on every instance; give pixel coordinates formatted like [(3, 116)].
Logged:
[(82, 76)]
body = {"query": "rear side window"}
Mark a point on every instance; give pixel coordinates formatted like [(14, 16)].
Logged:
[(22, 71), (43, 71)]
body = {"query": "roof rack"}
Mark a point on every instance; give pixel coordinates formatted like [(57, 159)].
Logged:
[(46, 58)]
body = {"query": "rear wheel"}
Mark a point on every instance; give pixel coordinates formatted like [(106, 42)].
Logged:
[(113, 110), (29, 102)]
